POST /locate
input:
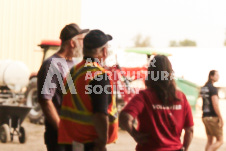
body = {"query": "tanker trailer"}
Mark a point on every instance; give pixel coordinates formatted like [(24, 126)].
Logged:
[(14, 77)]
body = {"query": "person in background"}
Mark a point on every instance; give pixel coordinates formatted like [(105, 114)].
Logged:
[(50, 81), (89, 114), (211, 116), (162, 112)]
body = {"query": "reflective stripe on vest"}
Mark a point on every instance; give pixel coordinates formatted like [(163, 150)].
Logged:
[(76, 117), (77, 102), (76, 111), (69, 114)]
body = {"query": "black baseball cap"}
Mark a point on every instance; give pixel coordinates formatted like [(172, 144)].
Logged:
[(95, 39), (70, 31)]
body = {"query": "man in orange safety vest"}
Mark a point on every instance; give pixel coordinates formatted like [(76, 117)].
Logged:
[(88, 112)]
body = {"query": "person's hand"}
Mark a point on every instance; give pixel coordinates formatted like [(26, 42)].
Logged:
[(221, 122), (99, 145), (140, 138)]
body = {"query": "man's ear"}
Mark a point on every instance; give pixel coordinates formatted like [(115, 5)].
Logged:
[(105, 52), (72, 43)]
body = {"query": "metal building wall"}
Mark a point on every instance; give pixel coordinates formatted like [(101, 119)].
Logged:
[(24, 23)]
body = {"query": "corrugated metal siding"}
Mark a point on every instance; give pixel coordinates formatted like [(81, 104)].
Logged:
[(24, 23)]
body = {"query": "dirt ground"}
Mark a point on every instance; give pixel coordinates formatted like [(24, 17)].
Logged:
[(35, 140)]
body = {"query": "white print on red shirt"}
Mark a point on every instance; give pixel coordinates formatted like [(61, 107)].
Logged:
[(161, 107)]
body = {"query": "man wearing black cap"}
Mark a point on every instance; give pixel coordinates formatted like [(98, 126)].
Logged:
[(50, 81), (89, 116)]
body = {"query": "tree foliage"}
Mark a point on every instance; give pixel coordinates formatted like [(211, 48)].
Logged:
[(140, 41), (173, 43), (184, 43), (187, 43)]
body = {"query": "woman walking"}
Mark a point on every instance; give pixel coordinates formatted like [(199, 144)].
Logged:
[(211, 116)]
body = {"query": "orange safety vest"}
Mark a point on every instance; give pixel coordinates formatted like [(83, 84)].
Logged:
[(76, 112)]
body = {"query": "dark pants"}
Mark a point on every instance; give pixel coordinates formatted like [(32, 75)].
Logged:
[(51, 141), (58, 147), (89, 146)]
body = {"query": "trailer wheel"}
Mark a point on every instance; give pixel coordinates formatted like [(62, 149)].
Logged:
[(35, 115), (4, 133), (22, 135)]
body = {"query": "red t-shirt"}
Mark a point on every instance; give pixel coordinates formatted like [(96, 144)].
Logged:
[(164, 124)]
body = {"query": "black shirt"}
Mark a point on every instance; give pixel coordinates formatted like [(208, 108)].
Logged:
[(101, 90), (207, 92), (101, 94)]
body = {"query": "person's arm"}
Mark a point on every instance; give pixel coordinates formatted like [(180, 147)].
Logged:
[(100, 102), (101, 126), (126, 122), (134, 107), (215, 103), (50, 112), (127, 116), (187, 137), (188, 125), (44, 98)]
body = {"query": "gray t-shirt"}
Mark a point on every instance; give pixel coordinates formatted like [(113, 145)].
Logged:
[(50, 79)]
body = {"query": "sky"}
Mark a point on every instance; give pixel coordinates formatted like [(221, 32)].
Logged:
[(203, 21)]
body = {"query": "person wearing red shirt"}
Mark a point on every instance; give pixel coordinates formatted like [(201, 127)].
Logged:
[(162, 112)]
